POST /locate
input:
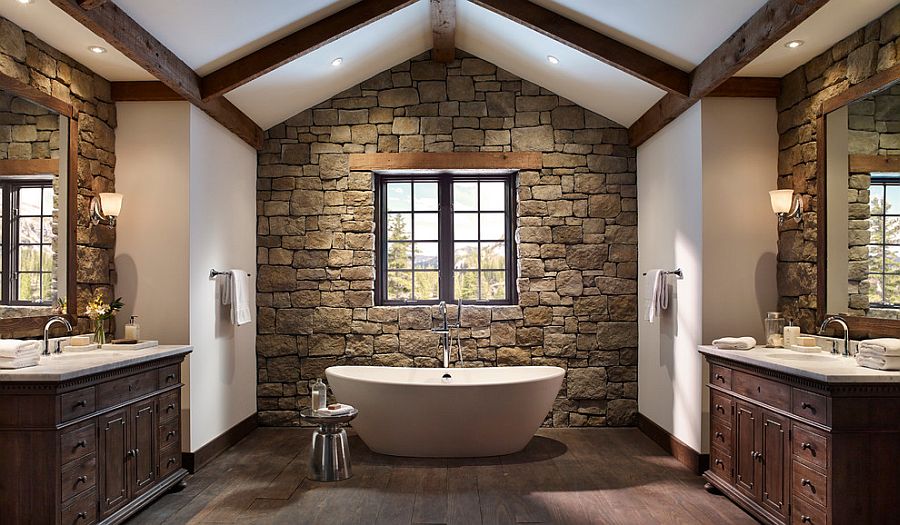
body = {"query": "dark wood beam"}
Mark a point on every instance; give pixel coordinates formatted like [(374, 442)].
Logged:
[(870, 163), (146, 91), (592, 43), (443, 30), (754, 87), (769, 24), (122, 32), (297, 44), (29, 167), (90, 4)]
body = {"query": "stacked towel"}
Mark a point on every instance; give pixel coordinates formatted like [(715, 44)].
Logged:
[(734, 343), (880, 354), (338, 409), (15, 353)]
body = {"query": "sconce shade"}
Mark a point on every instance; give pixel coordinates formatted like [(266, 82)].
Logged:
[(781, 200), (111, 204)]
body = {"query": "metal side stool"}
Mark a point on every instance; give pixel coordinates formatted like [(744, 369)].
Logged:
[(329, 456)]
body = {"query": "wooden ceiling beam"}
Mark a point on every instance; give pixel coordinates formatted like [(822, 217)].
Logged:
[(443, 30), (90, 4), (755, 87), (297, 44), (122, 32), (599, 46), (143, 91), (768, 25)]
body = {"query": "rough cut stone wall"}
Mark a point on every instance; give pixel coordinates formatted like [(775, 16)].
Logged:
[(867, 51), (576, 227), (27, 130), (28, 59)]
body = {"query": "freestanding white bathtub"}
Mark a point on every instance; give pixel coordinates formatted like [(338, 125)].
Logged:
[(475, 412)]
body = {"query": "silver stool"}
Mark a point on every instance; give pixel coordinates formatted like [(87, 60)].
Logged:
[(329, 456)]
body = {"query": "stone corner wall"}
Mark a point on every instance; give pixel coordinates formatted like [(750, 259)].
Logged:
[(576, 230), (857, 57)]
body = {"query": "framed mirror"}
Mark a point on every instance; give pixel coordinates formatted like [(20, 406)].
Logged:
[(38, 187), (858, 137)]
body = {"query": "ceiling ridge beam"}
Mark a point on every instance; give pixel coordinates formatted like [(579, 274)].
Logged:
[(297, 44), (769, 24), (113, 25), (601, 47), (443, 30), (142, 91)]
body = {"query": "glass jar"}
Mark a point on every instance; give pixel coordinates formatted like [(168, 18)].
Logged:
[(775, 323)]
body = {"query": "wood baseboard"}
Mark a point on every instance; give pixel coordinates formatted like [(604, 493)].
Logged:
[(698, 463), (193, 461)]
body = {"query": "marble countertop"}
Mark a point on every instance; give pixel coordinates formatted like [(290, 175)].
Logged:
[(821, 366), (77, 364)]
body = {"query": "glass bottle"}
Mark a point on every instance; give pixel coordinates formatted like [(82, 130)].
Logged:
[(319, 397), (774, 330)]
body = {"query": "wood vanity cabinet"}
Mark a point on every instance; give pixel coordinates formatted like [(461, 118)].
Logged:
[(792, 450), (94, 449)]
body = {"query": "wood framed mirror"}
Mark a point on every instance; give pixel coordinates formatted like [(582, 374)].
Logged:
[(858, 215), (38, 191)]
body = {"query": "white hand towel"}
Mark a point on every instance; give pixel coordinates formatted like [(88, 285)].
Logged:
[(656, 297), (236, 292), (886, 346), (878, 363), (19, 362), (734, 343), (17, 347), (339, 411)]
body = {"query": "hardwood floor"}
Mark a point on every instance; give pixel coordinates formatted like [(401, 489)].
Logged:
[(563, 476)]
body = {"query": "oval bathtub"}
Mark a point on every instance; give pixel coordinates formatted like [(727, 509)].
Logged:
[(479, 412)]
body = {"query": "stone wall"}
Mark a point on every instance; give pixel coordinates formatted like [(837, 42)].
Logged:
[(28, 59), (576, 230), (867, 51)]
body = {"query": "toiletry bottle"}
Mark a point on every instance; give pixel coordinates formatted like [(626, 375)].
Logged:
[(133, 329), (791, 333), (319, 396)]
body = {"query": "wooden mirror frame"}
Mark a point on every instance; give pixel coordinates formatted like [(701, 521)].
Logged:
[(859, 326), (19, 325)]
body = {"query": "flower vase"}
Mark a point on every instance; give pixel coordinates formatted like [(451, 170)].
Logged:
[(99, 332)]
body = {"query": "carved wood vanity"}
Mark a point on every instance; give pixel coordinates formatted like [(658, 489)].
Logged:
[(790, 449), (90, 447)]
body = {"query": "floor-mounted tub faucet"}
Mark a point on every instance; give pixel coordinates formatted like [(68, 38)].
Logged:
[(444, 330)]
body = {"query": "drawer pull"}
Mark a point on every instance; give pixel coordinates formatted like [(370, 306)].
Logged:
[(171, 434), (136, 452), (720, 408), (719, 462), (720, 377), (170, 462), (806, 406), (130, 453), (81, 444), (81, 479), (81, 515), (807, 483), (806, 446), (80, 403), (170, 377), (805, 519), (170, 407), (721, 436)]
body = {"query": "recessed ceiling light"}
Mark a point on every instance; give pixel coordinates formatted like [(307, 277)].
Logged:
[(337, 61), (97, 50), (794, 44), (552, 59), (25, 2)]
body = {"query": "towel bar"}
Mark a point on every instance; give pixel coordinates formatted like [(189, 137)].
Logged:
[(213, 273), (676, 272)]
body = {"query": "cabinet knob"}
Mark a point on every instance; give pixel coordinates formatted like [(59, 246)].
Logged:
[(81, 479), (170, 434), (81, 444), (806, 406), (170, 462), (81, 515), (137, 451), (805, 519), (719, 462), (720, 408), (721, 436), (130, 453), (81, 403), (806, 446), (720, 377), (170, 407), (170, 377)]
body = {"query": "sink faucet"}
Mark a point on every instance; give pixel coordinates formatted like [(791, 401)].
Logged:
[(838, 320), (52, 321), (444, 330)]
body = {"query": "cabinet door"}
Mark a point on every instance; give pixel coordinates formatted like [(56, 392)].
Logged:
[(114, 444), (746, 467), (143, 453), (775, 460)]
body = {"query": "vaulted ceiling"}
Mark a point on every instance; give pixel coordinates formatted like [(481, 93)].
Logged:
[(629, 60)]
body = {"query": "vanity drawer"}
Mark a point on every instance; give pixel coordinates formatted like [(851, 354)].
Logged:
[(168, 432), (809, 484), (169, 460), (169, 406), (720, 464), (720, 434), (82, 510), (76, 404), (807, 405), (121, 390), (805, 513), (79, 477), (77, 442), (169, 375), (721, 405), (720, 376), (810, 446), (762, 390)]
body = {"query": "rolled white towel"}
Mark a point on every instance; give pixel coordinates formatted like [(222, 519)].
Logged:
[(18, 347), (878, 363), (734, 343), (886, 346)]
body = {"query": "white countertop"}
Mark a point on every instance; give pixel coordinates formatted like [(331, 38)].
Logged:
[(821, 366), (72, 365)]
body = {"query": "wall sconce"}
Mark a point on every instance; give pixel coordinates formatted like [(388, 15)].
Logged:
[(786, 205), (105, 207)]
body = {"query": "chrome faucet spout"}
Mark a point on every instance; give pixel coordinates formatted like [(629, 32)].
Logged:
[(836, 319), (52, 321)]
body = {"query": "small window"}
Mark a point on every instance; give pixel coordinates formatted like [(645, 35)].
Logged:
[(27, 238), (445, 237)]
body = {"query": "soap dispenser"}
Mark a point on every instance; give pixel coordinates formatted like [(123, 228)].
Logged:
[(133, 329), (319, 396)]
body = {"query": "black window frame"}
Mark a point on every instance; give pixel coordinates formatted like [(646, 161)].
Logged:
[(445, 180), (883, 181), (9, 244)]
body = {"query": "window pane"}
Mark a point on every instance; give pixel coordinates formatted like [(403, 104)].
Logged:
[(875, 253), (426, 226), (399, 226), (892, 196), (30, 230), (876, 287), (875, 225), (892, 230), (47, 227), (399, 286), (29, 287), (892, 259), (493, 196), (876, 199), (493, 255), (426, 255), (399, 196), (30, 201), (46, 283), (29, 259), (399, 255), (465, 255), (465, 196), (492, 227), (493, 286), (426, 286), (465, 226), (426, 194), (48, 201), (47, 257), (465, 285), (892, 289)]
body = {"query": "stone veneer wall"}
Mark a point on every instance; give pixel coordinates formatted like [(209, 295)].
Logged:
[(867, 51), (576, 227), (28, 59)]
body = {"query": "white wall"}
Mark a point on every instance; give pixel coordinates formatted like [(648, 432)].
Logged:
[(837, 164)]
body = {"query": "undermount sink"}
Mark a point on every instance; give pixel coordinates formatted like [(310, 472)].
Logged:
[(803, 357)]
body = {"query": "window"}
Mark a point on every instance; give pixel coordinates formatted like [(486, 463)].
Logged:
[(445, 236), (884, 241), (27, 238)]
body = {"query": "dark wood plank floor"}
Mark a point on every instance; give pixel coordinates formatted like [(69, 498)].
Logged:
[(563, 476)]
